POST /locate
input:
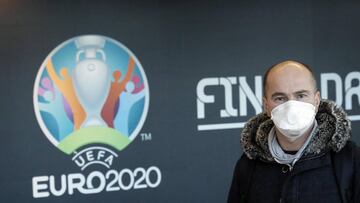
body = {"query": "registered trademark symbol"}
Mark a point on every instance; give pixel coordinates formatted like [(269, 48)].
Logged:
[(146, 136)]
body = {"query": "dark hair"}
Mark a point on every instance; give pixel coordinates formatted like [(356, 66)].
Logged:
[(303, 64)]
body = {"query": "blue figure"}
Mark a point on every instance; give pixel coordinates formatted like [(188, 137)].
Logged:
[(54, 106), (128, 98)]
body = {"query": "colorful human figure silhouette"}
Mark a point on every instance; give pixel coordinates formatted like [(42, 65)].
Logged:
[(116, 88), (138, 84), (65, 85), (138, 87), (53, 105), (128, 99), (46, 85)]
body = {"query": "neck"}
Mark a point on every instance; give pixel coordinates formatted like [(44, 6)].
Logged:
[(292, 145)]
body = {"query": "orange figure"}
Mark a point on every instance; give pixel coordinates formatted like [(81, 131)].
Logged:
[(117, 87), (65, 85)]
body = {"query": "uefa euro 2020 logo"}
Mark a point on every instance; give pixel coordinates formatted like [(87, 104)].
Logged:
[(91, 92)]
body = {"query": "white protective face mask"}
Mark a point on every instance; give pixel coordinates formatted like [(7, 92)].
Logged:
[(293, 118)]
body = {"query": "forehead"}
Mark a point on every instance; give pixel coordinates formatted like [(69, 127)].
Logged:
[(289, 78)]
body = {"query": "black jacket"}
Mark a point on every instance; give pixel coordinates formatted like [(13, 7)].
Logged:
[(328, 171)]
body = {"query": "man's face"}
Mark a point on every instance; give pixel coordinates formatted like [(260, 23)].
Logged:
[(287, 82)]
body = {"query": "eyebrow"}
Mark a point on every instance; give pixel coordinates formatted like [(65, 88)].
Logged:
[(276, 94), (302, 91), (283, 94)]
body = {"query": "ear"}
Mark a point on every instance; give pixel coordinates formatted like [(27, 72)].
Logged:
[(317, 100), (265, 105)]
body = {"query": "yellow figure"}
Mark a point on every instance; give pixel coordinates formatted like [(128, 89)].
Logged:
[(65, 85)]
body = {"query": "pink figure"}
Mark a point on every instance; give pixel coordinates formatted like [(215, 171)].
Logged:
[(46, 85), (138, 86)]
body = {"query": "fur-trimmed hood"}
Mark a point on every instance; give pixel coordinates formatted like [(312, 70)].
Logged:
[(334, 130)]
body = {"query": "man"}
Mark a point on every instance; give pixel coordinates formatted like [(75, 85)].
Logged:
[(299, 148)]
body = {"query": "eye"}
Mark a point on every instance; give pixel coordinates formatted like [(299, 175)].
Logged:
[(301, 96), (279, 99)]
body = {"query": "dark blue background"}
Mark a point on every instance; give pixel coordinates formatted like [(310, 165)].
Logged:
[(178, 44)]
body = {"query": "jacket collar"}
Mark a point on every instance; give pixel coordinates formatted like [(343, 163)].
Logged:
[(334, 130)]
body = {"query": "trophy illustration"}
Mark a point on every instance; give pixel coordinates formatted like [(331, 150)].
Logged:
[(91, 78)]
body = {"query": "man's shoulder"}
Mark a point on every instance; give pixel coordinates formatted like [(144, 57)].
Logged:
[(356, 149), (347, 169), (244, 163), (351, 147), (355, 153), (350, 152)]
